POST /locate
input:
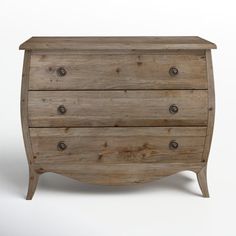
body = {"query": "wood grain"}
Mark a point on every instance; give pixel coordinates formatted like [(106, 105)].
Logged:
[(117, 108), (24, 105), (33, 182), (136, 52), (118, 174), (117, 145), (202, 181), (211, 107), (33, 176), (96, 71), (114, 126), (116, 43)]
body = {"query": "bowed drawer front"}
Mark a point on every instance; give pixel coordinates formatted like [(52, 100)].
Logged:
[(117, 145), (117, 108), (125, 71), (117, 111)]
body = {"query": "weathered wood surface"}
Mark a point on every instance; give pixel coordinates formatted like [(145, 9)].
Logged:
[(211, 107), (33, 175), (24, 105), (33, 181), (104, 82), (95, 71), (136, 52), (202, 181), (117, 108), (116, 43), (118, 174), (117, 145)]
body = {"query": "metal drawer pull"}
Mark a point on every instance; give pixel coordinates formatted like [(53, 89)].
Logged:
[(61, 146), (61, 71), (173, 145), (173, 71), (61, 109), (173, 109)]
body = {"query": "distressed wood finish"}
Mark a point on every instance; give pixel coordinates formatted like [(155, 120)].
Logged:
[(24, 105), (117, 108), (33, 175), (116, 43), (202, 174), (117, 145), (97, 109), (202, 180), (118, 174), (211, 107), (96, 71)]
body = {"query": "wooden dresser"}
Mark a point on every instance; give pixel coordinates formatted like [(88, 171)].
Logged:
[(117, 110)]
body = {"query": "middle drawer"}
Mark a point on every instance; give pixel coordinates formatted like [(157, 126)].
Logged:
[(117, 108)]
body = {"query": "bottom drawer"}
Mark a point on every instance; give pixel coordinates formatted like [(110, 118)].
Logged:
[(117, 145)]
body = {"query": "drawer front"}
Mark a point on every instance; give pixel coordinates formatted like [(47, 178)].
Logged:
[(71, 72), (117, 145), (117, 108)]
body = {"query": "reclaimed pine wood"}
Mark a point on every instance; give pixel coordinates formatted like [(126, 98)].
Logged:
[(117, 145), (105, 82), (202, 180), (118, 174), (211, 106), (202, 174), (117, 108), (136, 52), (33, 175), (96, 71), (116, 43)]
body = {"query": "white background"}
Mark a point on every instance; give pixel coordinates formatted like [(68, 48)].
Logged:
[(171, 206)]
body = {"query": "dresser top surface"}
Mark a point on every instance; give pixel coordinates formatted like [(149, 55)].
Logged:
[(117, 43)]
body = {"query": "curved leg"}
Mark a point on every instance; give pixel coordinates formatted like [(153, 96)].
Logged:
[(202, 181), (33, 181)]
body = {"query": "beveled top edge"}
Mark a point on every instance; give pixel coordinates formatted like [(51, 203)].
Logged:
[(117, 43)]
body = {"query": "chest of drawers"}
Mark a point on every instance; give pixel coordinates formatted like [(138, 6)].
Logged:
[(117, 110)]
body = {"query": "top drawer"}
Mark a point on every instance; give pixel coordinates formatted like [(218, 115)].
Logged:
[(64, 71)]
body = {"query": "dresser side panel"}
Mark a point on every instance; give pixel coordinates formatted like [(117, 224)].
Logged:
[(211, 106), (24, 106)]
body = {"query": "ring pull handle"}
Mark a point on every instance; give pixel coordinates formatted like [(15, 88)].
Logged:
[(61, 71), (61, 109), (173, 71), (61, 146), (173, 109), (173, 145)]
